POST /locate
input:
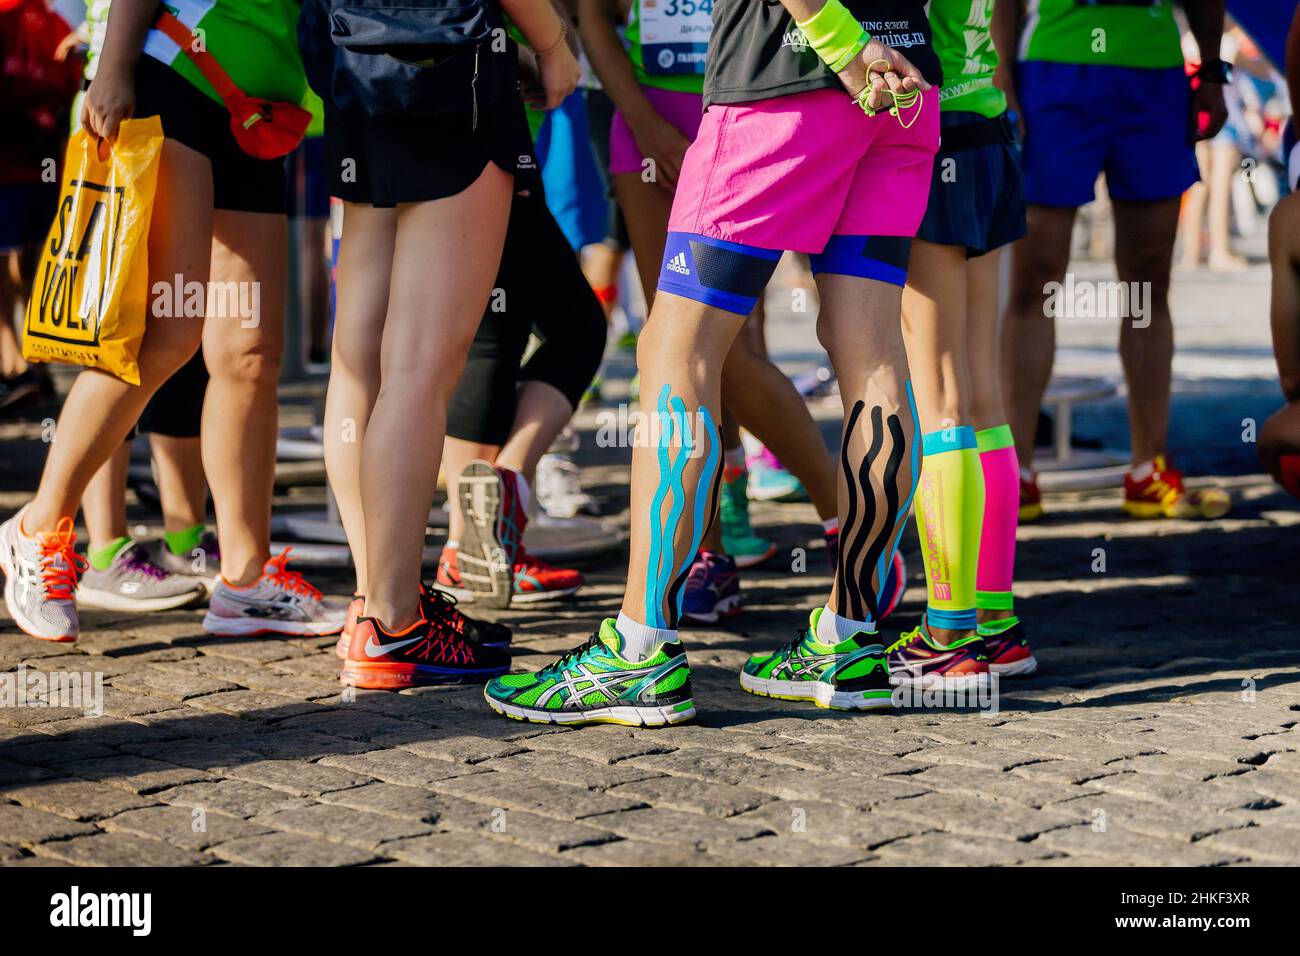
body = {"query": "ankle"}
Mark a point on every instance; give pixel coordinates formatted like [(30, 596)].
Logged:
[(944, 636)]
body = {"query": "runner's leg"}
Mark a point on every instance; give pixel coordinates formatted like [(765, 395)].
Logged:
[(445, 257), (241, 408), (1029, 334), (950, 505), (364, 265)]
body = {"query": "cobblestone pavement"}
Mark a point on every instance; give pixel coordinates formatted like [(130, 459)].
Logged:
[(1162, 728)]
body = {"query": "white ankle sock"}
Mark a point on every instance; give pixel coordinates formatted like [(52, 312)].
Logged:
[(833, 629), (640, 640)]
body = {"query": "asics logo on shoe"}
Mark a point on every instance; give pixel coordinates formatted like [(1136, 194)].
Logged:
[(678, 264), (605, 683), (918, 666), (379, 650), (803, 667)]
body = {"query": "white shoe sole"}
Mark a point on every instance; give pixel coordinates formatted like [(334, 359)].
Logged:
[(754, 560), (1019, 669), (25, 623), (242, 626), (111, 601), (823, 695), (480, 557), (627, 716)]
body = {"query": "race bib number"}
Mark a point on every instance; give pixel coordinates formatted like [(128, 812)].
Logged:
[(675, 36)]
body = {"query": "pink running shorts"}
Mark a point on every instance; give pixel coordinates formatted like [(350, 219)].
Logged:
[(790, 172)]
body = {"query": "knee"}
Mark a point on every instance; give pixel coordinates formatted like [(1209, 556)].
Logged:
[(245, 358), (167, 350)]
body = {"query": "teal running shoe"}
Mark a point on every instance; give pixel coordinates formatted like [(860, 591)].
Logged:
[(851, 675), (769, 481), (738, 538), (594, 684)]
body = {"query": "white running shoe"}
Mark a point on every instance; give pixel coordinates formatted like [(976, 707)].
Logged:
[(134, 582), (279, 602), (559, 488), (41, 579)]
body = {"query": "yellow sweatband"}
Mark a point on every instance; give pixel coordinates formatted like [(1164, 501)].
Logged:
[(835, 34)]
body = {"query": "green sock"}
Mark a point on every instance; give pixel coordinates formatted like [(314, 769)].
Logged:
[(182, 543), (994, 628), (102, 558)]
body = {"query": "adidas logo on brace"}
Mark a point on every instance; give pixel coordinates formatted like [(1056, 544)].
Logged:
[(678, 264)]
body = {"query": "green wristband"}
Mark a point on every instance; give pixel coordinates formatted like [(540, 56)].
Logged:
[(835, 34)]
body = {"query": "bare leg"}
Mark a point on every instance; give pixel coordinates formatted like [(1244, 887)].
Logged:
[(1028, 334), (178, 465), (241, 408), (880, 454), (935, 327), (364, 266), (1144, 245), (104, 503), (540, 416), (445, 258), (1280, 434), (680, 356)]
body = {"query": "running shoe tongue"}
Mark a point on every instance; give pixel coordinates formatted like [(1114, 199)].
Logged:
[(609, 635)]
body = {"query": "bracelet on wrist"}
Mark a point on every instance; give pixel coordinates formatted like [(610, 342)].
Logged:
[(564, 34)]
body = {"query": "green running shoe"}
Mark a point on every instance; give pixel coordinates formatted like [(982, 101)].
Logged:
[(738, 538), (593, 684), (852, 675)]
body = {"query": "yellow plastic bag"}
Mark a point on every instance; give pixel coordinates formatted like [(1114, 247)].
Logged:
[(90, 296)]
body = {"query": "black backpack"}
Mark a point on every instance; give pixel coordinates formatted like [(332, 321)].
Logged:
[(388, 58)]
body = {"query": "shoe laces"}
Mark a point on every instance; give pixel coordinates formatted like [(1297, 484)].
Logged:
[(699, 572), (60, 578), (791, 648), (440, 609), (574, 655), (290, 581), (137, 561), (908, 637)]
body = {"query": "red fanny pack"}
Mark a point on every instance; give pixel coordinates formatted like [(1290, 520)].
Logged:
[(263, 129)]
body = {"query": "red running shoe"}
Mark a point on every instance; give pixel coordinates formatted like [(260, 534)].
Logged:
[(427, 652)]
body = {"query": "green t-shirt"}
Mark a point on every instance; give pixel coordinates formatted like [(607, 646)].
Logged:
[(96, 26), (256, 41), (684, 15), (1133, 34), (961, 39)]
